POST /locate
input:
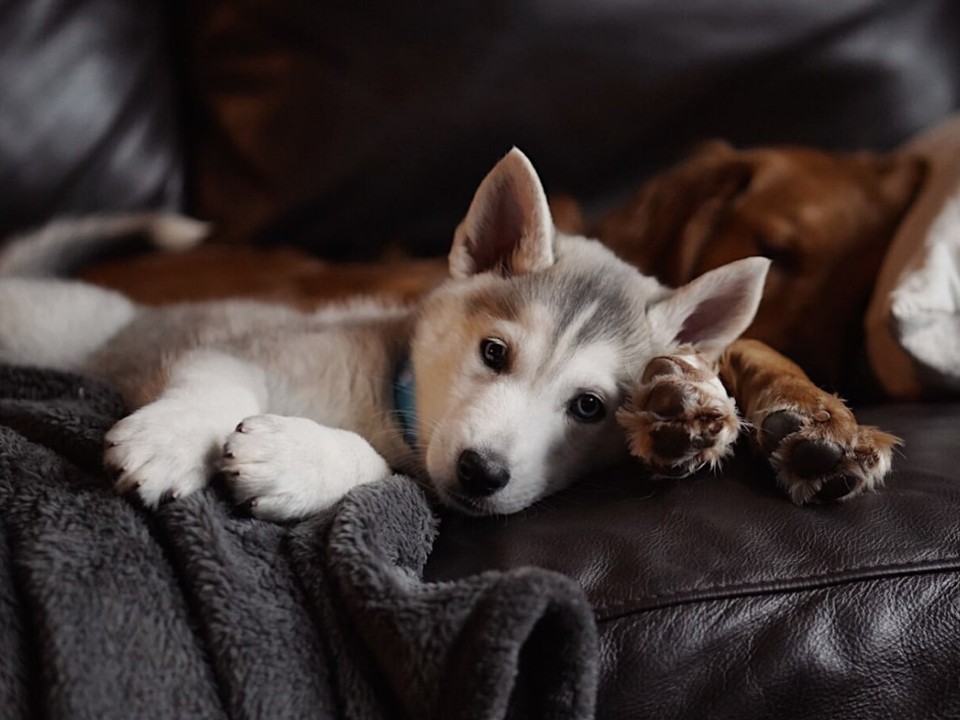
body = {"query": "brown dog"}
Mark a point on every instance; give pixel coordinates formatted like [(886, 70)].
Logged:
[(825, 221)]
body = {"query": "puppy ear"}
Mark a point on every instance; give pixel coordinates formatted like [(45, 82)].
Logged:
[(508, 228), (713, 310)]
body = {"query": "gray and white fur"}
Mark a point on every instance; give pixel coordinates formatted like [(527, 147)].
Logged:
[(521, 360)]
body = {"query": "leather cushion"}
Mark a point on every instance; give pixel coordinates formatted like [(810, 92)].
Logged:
[(87, 116), (716, 593)]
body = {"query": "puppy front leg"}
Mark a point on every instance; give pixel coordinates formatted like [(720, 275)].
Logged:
[(282, 468), (810, 437), (170, 447)]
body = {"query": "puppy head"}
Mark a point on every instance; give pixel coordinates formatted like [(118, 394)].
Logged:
[(824, 220), (524, 356)]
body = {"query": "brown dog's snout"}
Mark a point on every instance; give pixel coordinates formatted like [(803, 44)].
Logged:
[(481, 472)]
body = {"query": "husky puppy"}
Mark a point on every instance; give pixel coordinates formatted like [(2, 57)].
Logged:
[(502, 386)]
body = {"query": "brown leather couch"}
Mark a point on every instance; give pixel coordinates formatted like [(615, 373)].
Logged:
[(355, 128)]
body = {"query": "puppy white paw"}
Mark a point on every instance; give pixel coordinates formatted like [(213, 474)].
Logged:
[(282, 468), (163, 451)]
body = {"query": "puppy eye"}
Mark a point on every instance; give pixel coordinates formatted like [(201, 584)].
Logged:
[(493, 352), (586, 408)]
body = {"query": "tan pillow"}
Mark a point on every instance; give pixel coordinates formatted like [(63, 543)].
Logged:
[(913, 320)]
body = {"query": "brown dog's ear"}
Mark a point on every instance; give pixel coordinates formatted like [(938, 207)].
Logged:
[(508, 227), (713, 310), (714, 147), (665, 226), (900, 179), (899, 176), (567, 213)]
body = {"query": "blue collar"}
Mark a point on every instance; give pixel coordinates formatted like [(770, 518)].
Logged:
[(405, 401)]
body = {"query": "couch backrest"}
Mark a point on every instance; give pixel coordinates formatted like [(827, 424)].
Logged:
[(87, 116), (345, 127)]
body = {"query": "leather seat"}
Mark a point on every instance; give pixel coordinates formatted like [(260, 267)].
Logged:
[(715, 597)]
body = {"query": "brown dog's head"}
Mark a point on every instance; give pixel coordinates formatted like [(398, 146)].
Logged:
[(824, 219)]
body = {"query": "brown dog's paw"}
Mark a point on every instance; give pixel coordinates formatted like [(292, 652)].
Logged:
[(820, 454), (679, 417)]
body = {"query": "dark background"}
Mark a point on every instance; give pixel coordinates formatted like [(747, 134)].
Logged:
[(349, 127)]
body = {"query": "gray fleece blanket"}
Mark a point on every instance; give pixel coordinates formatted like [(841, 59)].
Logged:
[(110, 611)]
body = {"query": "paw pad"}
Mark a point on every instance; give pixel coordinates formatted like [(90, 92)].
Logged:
[(666, 400), (812, 458), (822, 455), (671, 442), (679, 417), (777, 426), (659, 367)]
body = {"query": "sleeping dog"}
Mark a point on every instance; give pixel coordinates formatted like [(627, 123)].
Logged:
[(825, 221), (502, 385)]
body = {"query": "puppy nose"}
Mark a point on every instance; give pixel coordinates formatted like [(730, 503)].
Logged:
[(481, 473)]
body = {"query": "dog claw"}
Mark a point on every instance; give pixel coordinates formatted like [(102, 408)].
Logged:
[(702, 442), (247, 507), (836, 488), (125, 486)]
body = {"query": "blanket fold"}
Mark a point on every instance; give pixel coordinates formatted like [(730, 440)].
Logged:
[(109, 611)]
